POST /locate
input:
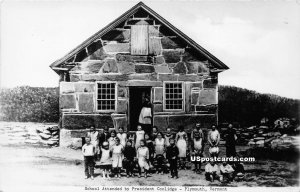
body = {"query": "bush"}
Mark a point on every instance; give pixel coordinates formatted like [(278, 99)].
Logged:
[(34, 104)]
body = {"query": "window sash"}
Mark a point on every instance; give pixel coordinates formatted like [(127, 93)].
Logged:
[(174, 96), (106, 96)]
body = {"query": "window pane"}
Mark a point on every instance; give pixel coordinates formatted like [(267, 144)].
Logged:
[(106, 96), (173, 96)]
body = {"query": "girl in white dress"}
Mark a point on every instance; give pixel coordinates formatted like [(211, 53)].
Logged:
[(139, 135), (159, 152), (143, 158), (112, 139), (105, 160), (181, 137), (117, 157), (122, 136)]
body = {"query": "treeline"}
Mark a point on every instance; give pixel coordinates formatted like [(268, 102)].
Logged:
[(249, 107), (38, 104), (34, 104)]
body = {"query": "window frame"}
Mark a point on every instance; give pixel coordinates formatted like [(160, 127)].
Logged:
[(96, 96), (183, 96)]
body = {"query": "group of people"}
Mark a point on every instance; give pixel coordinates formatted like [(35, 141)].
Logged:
[(164, 152)]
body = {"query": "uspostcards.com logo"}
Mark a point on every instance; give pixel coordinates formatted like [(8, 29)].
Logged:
[(222, 159)]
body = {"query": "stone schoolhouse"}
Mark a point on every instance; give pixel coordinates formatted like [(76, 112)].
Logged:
[(104, 80)]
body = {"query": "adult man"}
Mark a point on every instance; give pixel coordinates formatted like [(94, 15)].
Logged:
[(230, 141)]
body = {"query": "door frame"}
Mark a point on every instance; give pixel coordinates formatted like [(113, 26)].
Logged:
[(129, 100)]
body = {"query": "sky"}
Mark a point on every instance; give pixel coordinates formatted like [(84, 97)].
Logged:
[(258, 40)]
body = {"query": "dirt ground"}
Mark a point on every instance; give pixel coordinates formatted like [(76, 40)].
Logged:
[(27, 165)]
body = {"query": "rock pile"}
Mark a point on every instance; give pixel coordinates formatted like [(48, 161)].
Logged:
[(264, 136), (49, 135)]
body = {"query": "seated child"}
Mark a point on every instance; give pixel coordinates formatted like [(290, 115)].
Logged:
[(239, 171), (105, 159), (143, 158), (129, 155), (88, 151), (227, 172), (211, 171)]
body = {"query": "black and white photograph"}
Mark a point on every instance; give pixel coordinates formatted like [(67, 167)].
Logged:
[(173, 95)]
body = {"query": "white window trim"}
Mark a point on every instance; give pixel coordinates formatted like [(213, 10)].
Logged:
[(183, 96), (96, 96)]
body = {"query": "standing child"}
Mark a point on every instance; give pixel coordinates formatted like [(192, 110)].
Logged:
[(122, 136), (150, 145), (112, 139), (154, 133), (129, 155), (117, 154), (172, 156), (88, 151), (143, 158), (159, 152), (197, 149), (94, 135), (131, 137), (105, 159), (181, 137), (213, 140), (139, 135), (168, 136)]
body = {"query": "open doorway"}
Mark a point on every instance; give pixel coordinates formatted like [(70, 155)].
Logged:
[(136, 99)]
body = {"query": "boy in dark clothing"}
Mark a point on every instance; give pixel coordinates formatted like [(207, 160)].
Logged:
[(103, 137), (129, 155), (172, 156)]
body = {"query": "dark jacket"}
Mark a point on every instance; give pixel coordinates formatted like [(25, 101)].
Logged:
[(172, 151), (103, 137), (129, 153)]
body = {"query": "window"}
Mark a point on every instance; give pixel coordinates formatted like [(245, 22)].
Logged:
[(173, 96), (106, 96)]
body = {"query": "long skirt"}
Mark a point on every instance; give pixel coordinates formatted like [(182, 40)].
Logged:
[(182, 147)]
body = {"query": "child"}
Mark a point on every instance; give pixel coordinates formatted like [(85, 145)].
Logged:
[(112, 139), (159, 152), (213, 140), (143, 158), (227, 172), (88, 151), (117, 154), (139, 135), (168, 136), (105, 160), (122, 136), (150, 145), (197, 149), (172, 156), (94, 135), (181, 137), (131, 137), (211, 171), (154, 133), (129, 155)]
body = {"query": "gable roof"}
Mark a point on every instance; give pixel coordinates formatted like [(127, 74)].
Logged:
[(215, 61)]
